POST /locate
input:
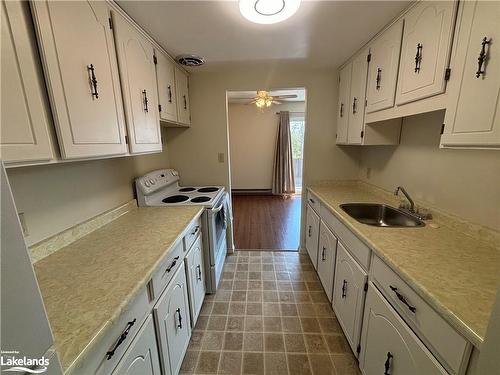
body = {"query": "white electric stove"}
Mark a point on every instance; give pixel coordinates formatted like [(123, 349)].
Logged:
[(161, 188)]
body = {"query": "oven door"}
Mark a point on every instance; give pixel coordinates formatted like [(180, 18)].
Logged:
[(217, 222)]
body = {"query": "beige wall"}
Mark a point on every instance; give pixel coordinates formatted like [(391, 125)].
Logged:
[(59, 196), (252, 139), (463, 182), (194, 151)]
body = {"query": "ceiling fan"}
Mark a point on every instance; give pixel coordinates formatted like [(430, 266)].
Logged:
[(263, 99)]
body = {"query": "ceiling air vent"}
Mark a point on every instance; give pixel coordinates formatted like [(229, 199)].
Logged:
[(190, 60)]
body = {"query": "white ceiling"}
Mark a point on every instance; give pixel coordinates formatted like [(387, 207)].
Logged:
[(245, 96), (322, 34)]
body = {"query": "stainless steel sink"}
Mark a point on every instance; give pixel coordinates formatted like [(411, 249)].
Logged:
[(380, 215)]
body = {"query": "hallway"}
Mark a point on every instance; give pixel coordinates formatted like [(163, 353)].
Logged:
[(270, 316), (266, 222)]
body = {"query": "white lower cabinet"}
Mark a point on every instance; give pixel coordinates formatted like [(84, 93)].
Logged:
[(326, 258), (349, 295), (141, 357), (172, 323), (196, 279), (312, 232), (388, 346)]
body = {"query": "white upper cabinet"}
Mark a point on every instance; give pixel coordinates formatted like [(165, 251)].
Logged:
[(473, 112), (425, 51), (25, 118), (182, 87), (138, 79), (78, 54), (383, 71), (343, 103), (165, 78), (358, 95)]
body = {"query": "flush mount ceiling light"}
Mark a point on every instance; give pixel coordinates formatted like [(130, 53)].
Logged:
[(268, 11)]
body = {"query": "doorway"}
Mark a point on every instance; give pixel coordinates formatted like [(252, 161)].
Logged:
[(263, 220)]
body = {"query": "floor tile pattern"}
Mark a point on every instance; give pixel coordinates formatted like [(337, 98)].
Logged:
[(269, 316)]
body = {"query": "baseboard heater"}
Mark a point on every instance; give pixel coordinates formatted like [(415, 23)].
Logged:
[(251, 191)]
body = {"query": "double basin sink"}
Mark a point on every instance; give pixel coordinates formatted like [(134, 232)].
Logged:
[(381, 215)]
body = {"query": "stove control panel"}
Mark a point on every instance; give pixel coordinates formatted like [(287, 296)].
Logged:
[(155, 180)]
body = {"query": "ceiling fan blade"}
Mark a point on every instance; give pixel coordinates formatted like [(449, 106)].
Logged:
[(285, 96)]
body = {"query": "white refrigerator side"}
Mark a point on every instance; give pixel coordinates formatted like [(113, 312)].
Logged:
[(24, 325)]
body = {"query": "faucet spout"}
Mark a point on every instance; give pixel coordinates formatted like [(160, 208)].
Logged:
[(405, 193)]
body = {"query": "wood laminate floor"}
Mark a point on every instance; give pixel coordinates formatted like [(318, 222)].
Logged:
[(270, 316), (266, 222)]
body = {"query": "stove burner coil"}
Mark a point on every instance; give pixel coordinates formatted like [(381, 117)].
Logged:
[(200, 199), (175, 199), (208, 189)]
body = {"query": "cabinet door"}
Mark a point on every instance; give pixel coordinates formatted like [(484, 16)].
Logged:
[(172, 321), (312, 233), (389, 345), (344, 93), (349, 295), (358, 96), (138, 78), (473, 112), (327, 252), (383, 71), (425, 52), (25, 119), (165, 79), (141, 357), (196, 279), (182, 87), (78, 52)]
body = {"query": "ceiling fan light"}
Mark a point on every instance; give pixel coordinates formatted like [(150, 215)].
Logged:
[(268, 11)]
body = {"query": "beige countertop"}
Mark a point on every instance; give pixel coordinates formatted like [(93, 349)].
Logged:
[(456, 270), (86, 285)]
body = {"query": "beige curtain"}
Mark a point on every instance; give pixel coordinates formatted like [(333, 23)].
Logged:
[(283, 178)]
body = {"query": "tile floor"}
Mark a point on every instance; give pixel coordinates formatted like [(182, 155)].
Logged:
[(269, 316)]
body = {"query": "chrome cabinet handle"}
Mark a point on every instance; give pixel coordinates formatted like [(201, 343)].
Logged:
[(169, 268), (198, 267), (145, 100), (482, 57), (178, 311), (379, 78), (344, 289), (121, 339), (93, 81), (169, 89), (418, 58), (402, 298), (387, 364)]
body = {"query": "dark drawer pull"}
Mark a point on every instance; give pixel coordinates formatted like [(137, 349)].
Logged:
[(323, 258), (198, 267), (122, 338), (169, 88), (196, 229), (312, 200), (344, 289), (403, 299), (387, 364), (178, 311), (309, 231), (172, 265)]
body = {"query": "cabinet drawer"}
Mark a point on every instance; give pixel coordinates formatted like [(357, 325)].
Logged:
[(128, 324), (357, 248), (313, 201), (192, 234), (389, 344), (448, 346), (167, 268)]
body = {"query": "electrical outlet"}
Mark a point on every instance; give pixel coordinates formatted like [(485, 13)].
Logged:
[(368, 173), (26, 233), (221, 157)]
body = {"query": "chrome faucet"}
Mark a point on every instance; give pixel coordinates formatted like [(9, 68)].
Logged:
[(412, 204)]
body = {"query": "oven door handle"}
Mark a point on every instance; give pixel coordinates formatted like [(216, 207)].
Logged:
[(215, 210)]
